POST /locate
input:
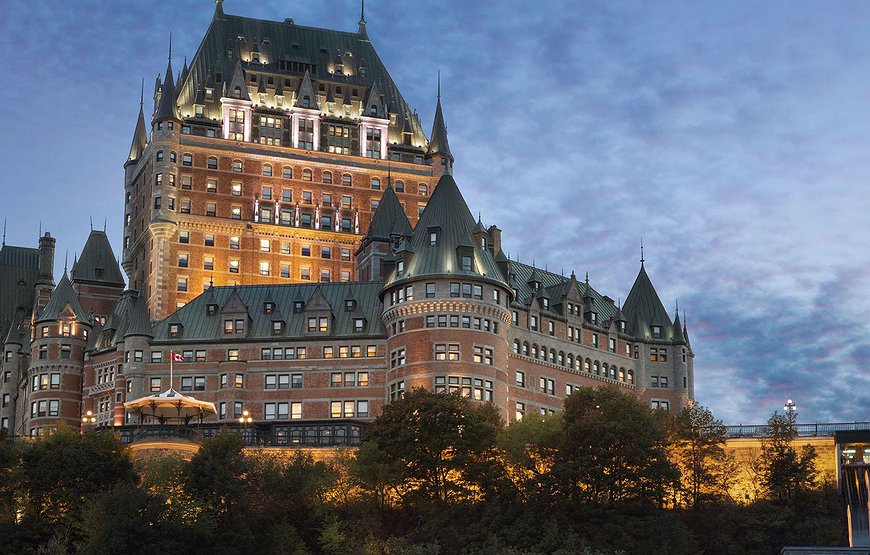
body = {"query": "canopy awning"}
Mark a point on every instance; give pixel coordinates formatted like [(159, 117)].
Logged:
[(168, 406)]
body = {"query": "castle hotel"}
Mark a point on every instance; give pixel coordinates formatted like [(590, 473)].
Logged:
[(298, 250)]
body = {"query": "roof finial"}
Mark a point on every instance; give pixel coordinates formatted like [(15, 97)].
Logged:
[(170, 47), (389, 174), (587, 278), (641, 251), (65, 258), (4, 231), (142, 94), (439, 85), (362, 13), (91, 219), (104, 223), (678, 306)]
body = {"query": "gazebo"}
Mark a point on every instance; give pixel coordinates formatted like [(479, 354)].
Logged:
[(170, 407)]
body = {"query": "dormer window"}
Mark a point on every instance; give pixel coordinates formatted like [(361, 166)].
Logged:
[(255, 57), (174, 330), (622, 327), (433, 237), (465, 263), (400, 266), (593, 317), (656, 332), (306, 101), (359, 324), (211, 309), (268, 308), (277, 327), (545, 303), (349, 305), (298, 306)]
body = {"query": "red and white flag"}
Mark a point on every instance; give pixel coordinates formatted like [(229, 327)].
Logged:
[(177, 357)]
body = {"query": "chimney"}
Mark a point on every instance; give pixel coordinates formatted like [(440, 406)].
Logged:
[(46, 260)]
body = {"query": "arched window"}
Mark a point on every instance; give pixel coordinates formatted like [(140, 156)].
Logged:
[(578, 362), (287, 172), (552, 356), (597, 366), (327, 177), (534, 350), (267, 170), (561, 359), (587, 365), (307, 175), (237, 92), (212, 163), (237, 166), (376, 184), (346, 179), (517, 346), (423, 189), (613, 372), (373, 110), (526, 348), (306, 101), (631, 376), (187, 159), (159, 156), (570, 360), (400, 186), (622, 374)]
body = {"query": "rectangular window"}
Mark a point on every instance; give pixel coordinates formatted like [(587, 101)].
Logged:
[(154, 385)]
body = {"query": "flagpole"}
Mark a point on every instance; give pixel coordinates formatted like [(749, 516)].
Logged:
[(171, 357)]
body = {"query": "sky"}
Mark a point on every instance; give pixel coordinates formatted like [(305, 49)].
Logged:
[(731, 137)]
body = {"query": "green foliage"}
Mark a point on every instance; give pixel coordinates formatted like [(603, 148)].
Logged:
[(433, 447), (785, 473), (697, 449), (612, 450)]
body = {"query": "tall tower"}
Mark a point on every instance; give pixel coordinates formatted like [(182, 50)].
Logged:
[(267, 160), (446, 306)]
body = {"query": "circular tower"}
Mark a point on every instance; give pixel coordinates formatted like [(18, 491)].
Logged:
[(446, 306)]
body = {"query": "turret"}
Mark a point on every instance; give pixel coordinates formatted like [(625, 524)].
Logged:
[(167, 110), (446, 307), (388, 228)]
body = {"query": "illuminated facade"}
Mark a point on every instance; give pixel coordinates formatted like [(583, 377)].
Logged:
[(291, 232), (266, 158)]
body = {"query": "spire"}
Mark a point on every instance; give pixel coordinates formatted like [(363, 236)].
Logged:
[(167, 108), (643, 302), (4, 231), (641, 252), (678, 328), (362, 21), (140, 135), (62, 301), (218, 8), (389, 219), (438, 144)]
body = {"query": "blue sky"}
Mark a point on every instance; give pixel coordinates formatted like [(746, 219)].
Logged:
[(732, 137)]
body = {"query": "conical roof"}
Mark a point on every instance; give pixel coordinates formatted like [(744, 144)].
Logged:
[(140, 136), (63, 301), (447, 213), (643, 303), (97, 263), (140, 323), (306, 89), (438, 142), (167, 108), (389, 218), (678, 330)]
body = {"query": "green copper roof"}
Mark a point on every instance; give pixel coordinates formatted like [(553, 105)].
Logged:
[(448, 216), (97, 263), (286, 51), (557, 286), (167, 108), (643, 305), (19, 268), (438, 143), (140, 137), (389, 218), (198, 325), (63, 301)]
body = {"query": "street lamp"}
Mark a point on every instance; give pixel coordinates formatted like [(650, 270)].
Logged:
[(245, 418), (790, 407), (89, 418)]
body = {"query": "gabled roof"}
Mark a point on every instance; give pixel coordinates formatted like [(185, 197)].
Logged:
[(306, 89), (62, 303), (552, 282), (291, 49), (389, 219), (374, 100), (97, 263), (237, 81), (198, 325), (643, 304), (448, 212)]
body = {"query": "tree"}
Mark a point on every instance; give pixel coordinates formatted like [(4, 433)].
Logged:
[(613, 450), (530, 447), (784, 471), (435, 446), (697, 449)]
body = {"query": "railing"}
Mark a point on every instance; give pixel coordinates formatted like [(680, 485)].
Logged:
[(278, 434), (803, 430)]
